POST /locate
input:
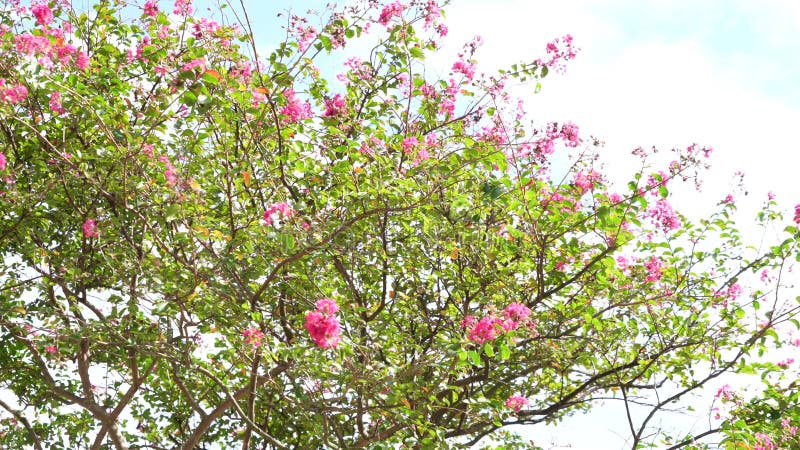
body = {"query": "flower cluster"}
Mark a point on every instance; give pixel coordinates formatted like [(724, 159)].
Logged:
[(296, 109), (169, 171), (389, 11), (322, 324), (336, 106), (516, 402), (491, 326), (663, 216), (55, 103), (655, 269), (558, 52), (42, 13), (253, 337), (182, 7), (12, 94), (305, 33), (276, 210), (90, 229)]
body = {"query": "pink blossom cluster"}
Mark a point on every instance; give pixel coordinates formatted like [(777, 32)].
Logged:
[(585, 180), (725, 393), (41, 46), (322, 324), (466, 68), (358, 69), (3, 161), (276, 210), (182, 7), (394, 9), (692, 150), (193, 64), (797, 213), (295, 109), (412, 146), (150, 8), (253, 337), (369, 147), (447, 105), (559, 51), (305, 32), (90, 229), (42, 12), (763, 442), (55, 103), (432, 12), (169, 171), (12, 93), (654, 268), (491, 326), (663, 216), (516, 402), (784, 364), (568, 132), (204, 28), (336, 106), (790, 429)]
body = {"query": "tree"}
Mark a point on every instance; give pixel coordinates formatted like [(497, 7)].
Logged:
[(207, 247)]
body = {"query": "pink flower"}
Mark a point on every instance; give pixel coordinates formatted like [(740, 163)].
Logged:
[(205, 27), (770, 195), (725, 392), (728, 199), (486, 329), (51, 349), (559, 51), (169, 172), (654, 268), (322, 325), (3, 161), (517, 312), (391, 10), (763, 442), (409, 144), (12, 94), (42, 13), (90, 229), (516, 402), (797, 214), (432, 12), (150, 8), (191, 65), (82, 62), (585, 180), (785, 363), (327, 306), (295, 109), (55, 103), (663, 216), (183, 7), (275, 210), (253, 337), (336, 106), (466, 68)]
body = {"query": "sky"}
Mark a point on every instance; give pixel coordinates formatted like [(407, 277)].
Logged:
[(665, 73)]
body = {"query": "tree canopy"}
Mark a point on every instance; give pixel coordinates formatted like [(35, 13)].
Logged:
[(209, 245)]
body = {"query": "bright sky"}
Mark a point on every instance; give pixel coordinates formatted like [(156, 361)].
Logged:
[(722, 73)]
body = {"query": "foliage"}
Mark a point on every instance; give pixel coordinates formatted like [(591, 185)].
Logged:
[(206, 247)]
